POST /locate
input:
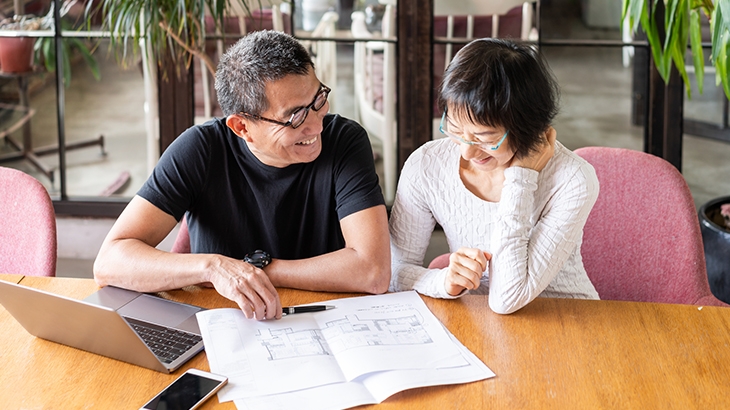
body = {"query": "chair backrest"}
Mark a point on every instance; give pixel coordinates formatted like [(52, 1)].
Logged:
[(27, 226), (470, 19), (375, 88), (182, 240), (440, 262), (642, 240)]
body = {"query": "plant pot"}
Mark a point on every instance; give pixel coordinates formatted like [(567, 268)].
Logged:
[(16, 54), (716, 238)]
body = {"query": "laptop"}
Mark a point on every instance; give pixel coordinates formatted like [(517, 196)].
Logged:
[(133, 327)]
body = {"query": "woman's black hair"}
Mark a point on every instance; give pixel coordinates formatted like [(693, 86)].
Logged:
[(496, 82)]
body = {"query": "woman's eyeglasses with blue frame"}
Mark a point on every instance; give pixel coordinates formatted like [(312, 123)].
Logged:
[(479, 144)]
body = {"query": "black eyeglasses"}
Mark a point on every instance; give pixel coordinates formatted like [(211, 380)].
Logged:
[(299, 115)]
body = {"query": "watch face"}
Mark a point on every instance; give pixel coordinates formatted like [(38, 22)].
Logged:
[(258, 258)]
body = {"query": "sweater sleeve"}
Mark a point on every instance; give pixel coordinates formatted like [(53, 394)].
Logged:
[(411, 225), (528, 255)]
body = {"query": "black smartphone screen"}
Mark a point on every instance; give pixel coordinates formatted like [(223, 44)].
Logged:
[(184, 393)]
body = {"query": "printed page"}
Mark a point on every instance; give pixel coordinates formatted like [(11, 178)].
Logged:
[(330, 397), (385, 384), (395, 331), (363, 335), (265, 357), (371, 388)]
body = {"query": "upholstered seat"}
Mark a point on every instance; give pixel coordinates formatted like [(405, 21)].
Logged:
[(27, 226), (642, 239), (182, 240)]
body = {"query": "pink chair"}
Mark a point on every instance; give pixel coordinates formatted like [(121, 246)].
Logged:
[(440, 262), (182, 240), (28, 227), (642, 240)]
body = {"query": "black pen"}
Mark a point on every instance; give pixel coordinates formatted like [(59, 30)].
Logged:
[(305, 309)]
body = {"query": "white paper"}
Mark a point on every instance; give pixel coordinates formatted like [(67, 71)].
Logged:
[(370, 389), (365, 350)]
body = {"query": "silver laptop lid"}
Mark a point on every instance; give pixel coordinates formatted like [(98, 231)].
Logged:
[(148, 308), (93, 328)]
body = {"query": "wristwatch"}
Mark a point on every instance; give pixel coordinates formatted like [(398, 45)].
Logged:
[(258, 258)]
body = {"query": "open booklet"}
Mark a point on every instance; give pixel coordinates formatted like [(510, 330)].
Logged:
[(365, 350)]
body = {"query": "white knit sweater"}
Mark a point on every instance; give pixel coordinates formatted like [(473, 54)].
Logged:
[(534, 232)]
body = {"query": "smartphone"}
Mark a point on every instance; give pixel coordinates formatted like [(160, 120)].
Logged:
[(188, 391)]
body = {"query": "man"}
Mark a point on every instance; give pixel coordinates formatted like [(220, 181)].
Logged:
[(278, 183)]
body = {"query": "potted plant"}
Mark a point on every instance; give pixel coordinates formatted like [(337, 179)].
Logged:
[(18, 52), (166, 33), (715, 227), (160, 27), (681, 26)]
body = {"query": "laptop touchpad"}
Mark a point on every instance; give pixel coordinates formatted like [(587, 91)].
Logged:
[(157, 310)]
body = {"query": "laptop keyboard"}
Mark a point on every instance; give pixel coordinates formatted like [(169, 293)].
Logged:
[(166, 343)]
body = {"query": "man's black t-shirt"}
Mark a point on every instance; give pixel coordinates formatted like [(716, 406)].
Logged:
[(235, 204)]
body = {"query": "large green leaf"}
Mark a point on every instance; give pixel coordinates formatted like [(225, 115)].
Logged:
[(677, 33), (649, 24), (698, 57), (721, 44), (174, 28), (634, 9), (682, 26), (87, 56), (721, 64), (45, 50)]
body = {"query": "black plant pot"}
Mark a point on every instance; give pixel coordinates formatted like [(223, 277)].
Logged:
[(716, 240)]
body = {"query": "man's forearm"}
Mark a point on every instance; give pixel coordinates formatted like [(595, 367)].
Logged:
[(132, 264), (344, 270)]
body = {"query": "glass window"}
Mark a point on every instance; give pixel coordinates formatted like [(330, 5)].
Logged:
[(104, 123), (353, 45), (603, 92)]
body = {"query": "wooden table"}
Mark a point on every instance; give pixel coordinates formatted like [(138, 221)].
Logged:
[(554, 353)]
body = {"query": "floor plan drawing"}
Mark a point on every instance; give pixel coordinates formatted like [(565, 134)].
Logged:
[(361, 352), (342, 334)]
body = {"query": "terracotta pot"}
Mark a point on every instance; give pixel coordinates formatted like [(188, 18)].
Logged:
[(716, 239), (16, 54)]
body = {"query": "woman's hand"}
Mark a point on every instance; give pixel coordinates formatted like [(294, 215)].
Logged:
[(537, 160), (466, 267)]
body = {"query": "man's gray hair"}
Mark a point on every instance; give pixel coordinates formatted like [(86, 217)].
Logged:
[(246, 67)]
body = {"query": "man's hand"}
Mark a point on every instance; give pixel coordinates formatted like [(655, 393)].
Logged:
[(248, 286), (540, 158), (466, 267)]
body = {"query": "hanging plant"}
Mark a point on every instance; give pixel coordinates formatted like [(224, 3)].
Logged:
[(173, 27)]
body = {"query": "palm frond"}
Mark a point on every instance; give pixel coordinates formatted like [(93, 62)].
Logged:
[(173, 28)]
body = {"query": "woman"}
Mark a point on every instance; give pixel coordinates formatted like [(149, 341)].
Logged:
[(512, 200)]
